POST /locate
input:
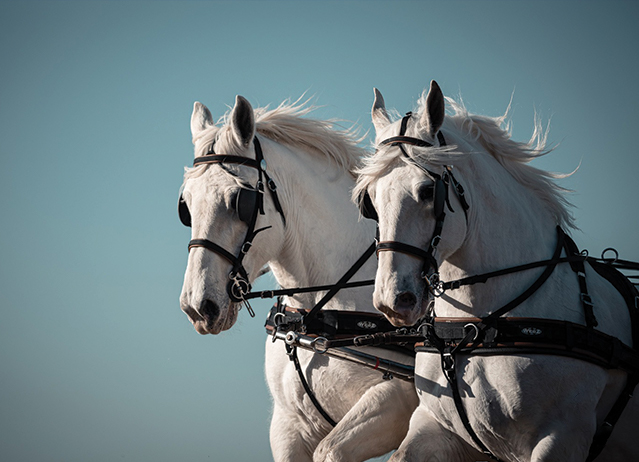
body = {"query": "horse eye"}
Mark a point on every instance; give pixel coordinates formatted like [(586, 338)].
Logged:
[(426, 192)]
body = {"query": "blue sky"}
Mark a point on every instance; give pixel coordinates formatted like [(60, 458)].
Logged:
[(98, 362)]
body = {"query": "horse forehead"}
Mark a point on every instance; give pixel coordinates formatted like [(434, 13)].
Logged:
[(211, 188), (398, 182)]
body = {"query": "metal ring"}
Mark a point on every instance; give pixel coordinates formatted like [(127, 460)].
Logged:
[(240, 288), (476, 330), (277, 316), (320, 349), (610, 249)]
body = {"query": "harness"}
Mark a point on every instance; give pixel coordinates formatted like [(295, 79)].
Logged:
[(496, 335), (441, 200), (311, 329), (249, 203)]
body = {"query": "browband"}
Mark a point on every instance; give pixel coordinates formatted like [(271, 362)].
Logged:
[(397, 140)]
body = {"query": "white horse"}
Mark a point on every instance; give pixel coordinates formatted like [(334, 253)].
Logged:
[(320, 237), (522, 407)]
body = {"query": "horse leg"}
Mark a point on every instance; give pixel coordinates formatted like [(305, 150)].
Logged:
[(375, 426), (428, 441), (288, 444), (553, 447)]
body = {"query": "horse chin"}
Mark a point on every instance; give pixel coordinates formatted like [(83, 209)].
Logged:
[(404, 317), (225, 321), (231, 316)]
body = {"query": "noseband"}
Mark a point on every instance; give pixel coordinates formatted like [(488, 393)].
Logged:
[(238, 286), (441, 199)]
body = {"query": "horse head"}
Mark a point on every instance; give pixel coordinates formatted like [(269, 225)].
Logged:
[(225, 200), (411, 192)]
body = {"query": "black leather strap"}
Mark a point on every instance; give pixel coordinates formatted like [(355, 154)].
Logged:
[(226, 159), (408, 249), (213, 247), (292, 352), (342, 282), (396, 140)]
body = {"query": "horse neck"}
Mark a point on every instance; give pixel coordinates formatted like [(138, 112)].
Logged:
[(508, 225), (324, 235)]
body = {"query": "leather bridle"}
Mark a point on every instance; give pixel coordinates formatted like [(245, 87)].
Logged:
[(440, 199), (239, 285)]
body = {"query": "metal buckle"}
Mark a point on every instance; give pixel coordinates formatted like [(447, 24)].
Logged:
[(448, 361), (246, 247), (271, 184), (585, 298)]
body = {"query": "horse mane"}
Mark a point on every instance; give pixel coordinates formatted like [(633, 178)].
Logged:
[(287, 124), (494, 135)]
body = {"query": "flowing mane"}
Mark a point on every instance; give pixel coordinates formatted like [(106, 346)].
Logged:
[(288, 125), (493, 134)]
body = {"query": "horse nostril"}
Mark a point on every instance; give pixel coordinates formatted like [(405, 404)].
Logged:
[(406, 300), (209, 311)]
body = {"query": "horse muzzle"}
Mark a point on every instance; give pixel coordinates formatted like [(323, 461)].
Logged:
[(209, 319), (406, 310)]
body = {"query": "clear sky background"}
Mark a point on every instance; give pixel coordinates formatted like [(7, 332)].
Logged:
[(97, 362)]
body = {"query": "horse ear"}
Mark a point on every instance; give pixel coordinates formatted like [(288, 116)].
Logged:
[(379, 114), (433, 116), (242, 121), (201, 118)]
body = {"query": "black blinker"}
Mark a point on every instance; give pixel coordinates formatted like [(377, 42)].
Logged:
[(439, 198), (183, 212), (246, 203), (367, 207)]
